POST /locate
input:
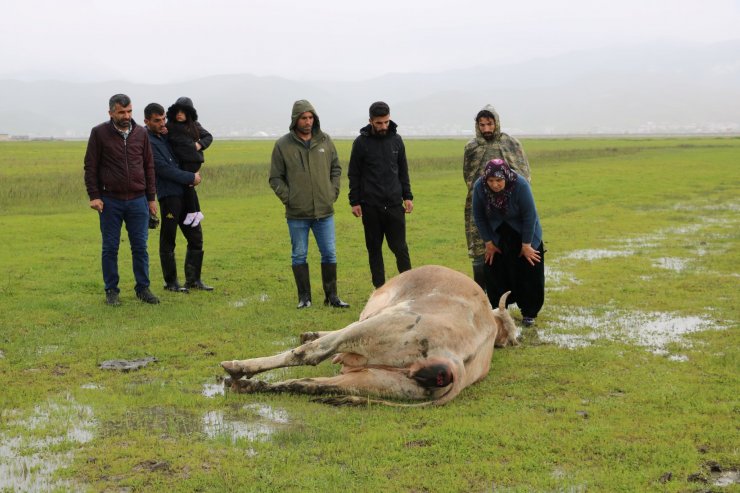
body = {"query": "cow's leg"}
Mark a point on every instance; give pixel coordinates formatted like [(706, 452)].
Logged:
[(311, 353), (369, 381)]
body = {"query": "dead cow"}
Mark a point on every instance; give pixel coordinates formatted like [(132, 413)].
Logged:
[(424, 336)]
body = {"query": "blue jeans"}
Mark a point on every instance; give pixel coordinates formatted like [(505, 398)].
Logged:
[(135, 213), (323, 231)]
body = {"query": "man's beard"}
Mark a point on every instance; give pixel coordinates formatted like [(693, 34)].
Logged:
[(122, 123), (487, 135)]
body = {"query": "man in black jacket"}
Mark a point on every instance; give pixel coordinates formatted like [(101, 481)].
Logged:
[(380, 190), (171, 184), (119, 177)]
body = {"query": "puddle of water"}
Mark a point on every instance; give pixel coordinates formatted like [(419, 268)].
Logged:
[(91, 386), (654, 330), (726, 478), (671, 263), (262, 298), (213, 389), (2, 354), (30, 464), (215, 424), (596, 254), (238, 303)]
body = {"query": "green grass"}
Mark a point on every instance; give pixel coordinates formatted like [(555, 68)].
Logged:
[(609, 416)]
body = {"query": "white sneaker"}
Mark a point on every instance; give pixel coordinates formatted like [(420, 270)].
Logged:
[(189, 218), (198, 219)]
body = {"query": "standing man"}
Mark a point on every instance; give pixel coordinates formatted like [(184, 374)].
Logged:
[(119, 176), (380, 190), (489, 143), (304, 174), (171, 185)]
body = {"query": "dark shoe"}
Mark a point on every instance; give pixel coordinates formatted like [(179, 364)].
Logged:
[(303, 285), (193, 266), (329, 280), (176, 287), (528, 321), (111, 297), (197, 284), (335, 302), (147, 297)]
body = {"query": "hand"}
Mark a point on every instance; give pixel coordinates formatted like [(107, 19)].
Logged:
[(357, 210), (491, 250), (97, 204), (529, 253), (198, 146), (408, 206), (197, 179), (153, 207)]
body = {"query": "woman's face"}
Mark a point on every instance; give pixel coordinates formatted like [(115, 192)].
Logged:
[(496, 184), (181, 117)]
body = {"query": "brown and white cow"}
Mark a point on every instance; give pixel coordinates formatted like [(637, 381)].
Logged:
[(424, 336)]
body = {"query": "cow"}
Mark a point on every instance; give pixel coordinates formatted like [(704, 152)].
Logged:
[(423, 336)]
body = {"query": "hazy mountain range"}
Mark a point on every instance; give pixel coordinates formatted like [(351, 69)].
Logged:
[(645, 89)]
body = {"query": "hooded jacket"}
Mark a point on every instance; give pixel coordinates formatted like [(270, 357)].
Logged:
[(477, 153), (378, 171), (305, 176), (182, 136), (119, 168)]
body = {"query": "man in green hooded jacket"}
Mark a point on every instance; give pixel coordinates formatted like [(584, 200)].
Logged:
[(489, 143), (304, 174)]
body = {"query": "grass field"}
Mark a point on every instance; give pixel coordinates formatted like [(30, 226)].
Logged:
[(632, 386)]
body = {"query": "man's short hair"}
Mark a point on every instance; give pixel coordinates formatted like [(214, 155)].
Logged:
[(484, 114), (153, 109), (121, 99), (379, 108)]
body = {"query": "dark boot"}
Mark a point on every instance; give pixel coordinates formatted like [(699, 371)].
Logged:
[(329, 280), (303, 284), (193, 265), (169, 271)]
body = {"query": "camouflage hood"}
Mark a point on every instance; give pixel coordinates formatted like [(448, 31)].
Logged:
[(496, 120)]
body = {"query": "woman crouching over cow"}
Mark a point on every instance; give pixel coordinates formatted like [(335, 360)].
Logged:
[(506, 217)]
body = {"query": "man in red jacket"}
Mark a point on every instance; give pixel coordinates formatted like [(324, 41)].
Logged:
[(119, 177)]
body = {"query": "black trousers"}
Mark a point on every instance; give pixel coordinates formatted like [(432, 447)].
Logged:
[(172, 214), (510, 272), (190, 197), (388, 223)]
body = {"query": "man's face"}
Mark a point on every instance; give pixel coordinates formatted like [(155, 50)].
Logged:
[(305, 123), (486, 126), (380, 124), (156, 123), (121, 115)]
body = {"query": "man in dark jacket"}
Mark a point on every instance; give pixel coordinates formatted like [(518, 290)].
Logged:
[(171, 184), (304, 174), (380, 190), (119, 177)]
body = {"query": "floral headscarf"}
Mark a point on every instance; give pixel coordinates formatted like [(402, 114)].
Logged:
[(499, 201)]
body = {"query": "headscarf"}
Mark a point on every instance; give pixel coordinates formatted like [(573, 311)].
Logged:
[(498, 201)]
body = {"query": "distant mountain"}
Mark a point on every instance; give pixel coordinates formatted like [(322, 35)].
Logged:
[(646, 89)]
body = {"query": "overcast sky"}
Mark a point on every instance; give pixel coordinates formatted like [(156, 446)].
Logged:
[(162, 41)]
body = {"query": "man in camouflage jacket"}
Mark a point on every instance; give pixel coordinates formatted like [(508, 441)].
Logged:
[(489, 143)]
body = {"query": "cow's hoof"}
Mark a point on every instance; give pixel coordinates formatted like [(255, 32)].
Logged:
[(247, 386), (309, 336), (234, 371)]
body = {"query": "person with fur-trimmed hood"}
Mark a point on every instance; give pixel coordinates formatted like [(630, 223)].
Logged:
[(188, 140), (489, 143), (304, 174)]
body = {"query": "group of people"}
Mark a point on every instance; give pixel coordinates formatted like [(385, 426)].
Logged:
[(126, 166)]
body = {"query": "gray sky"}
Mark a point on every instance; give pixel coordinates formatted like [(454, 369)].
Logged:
[(161, 41)]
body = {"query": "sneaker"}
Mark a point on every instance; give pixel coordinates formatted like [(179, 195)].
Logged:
[(147, 297), (198, 218), (528, 321), (111, 297), (189, 218)]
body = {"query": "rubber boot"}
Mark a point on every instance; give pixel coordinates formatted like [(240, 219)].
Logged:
[(193, 265), (303, 284), (329, 280), (169, 271)]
